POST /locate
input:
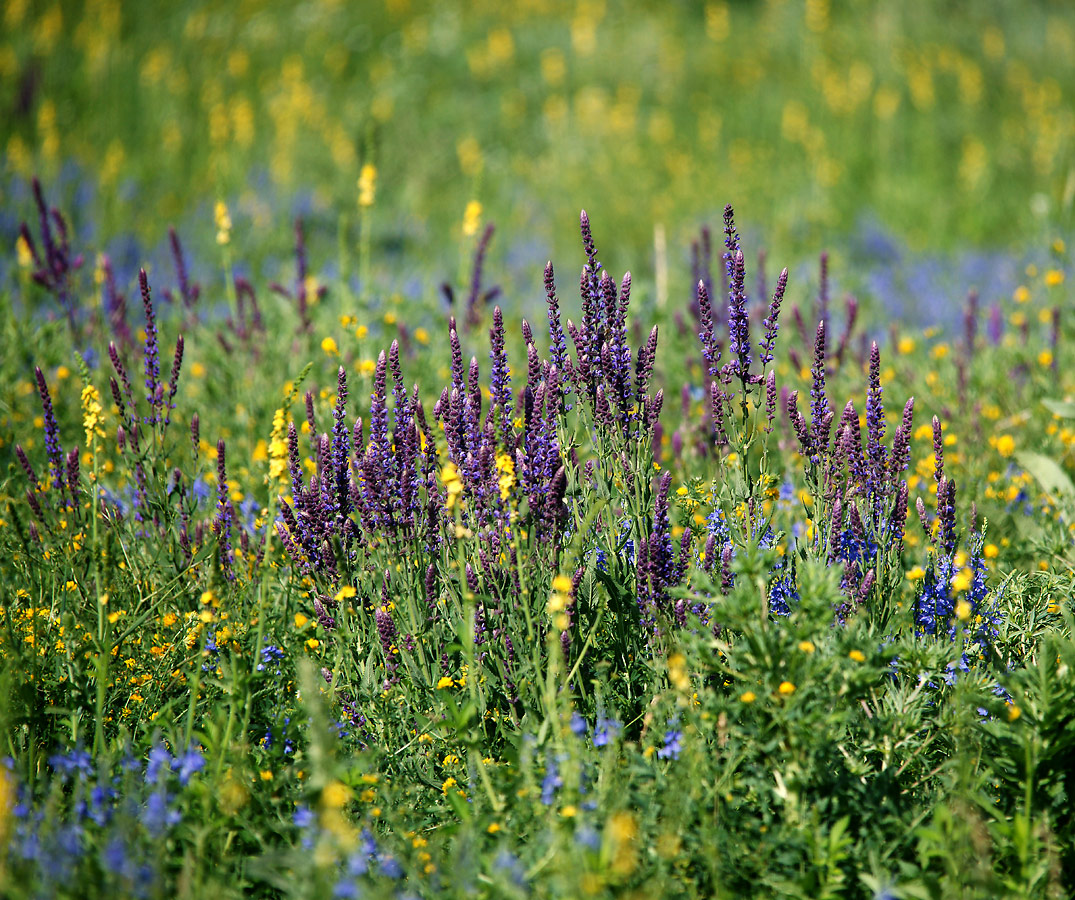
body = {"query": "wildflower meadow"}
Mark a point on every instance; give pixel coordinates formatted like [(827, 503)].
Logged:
[(559, 450)]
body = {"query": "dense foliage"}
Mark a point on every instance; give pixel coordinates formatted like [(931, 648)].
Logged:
[(346, 552)]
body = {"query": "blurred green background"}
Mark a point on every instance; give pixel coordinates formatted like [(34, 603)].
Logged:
[(945, 123)]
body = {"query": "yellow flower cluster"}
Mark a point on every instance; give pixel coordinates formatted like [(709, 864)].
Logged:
[(92, 413)]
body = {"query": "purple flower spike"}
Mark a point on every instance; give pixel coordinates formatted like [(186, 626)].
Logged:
[(938, 453), (739, 320), (151, 350), (771, 320), (52, 432), (821, 414), (875, 421), (710, 345), (173, 380)]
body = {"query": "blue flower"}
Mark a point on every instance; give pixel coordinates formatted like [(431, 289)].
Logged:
[(605, 731), (159, 760), (190, 762), (672, 746), (157, 816), (76, 762)]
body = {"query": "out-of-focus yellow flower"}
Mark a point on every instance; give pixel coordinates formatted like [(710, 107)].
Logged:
[(1005, 445), (367, 185), (223, 223), (786, 688), (472, 218), (1054, 278), (23, 253), (857, 656), (335, 795), (962, 581), (916, 573), (906, 345), (329, 346), (747, 697), (453, 484), (1022, 294)]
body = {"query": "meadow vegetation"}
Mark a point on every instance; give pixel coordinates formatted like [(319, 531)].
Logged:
[(350, 549)]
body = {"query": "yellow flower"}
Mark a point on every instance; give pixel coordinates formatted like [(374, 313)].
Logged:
[(448, 784), (345, 593), (223, 223), (990, 551), (367, 185), (493, 828), (1005, 445), (335, 795), (963, 610), (300, 620), (1054, 278), (857, 656), (266, 775), (313, 644), (786, 688), (329, 346), (1021, 295), (453, 484), (1014, 712), (747, 697), (445, 682), (505, 465), (91, 415), (24, 253), (807, 646), (906, 345), (562, 584), (961, 582), (1045, 358), (916, 573), (472, 218)]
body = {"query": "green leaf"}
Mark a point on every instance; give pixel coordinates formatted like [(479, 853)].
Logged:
[(1047, 473), (1063, 408)]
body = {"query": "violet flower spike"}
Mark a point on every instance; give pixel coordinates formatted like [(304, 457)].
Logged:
[(771, 320), (151, 351), (52, 432)]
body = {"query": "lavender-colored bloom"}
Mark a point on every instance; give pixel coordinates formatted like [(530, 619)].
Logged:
[(225, 515), (820, 412), (475, 297), (707, 335), (771, 320), (875, 421), (173, 380), (770, 400), (52, 433), (188, 291), (500, 381), (151, 351), (739, 320), (938, 452), (72, 474)]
